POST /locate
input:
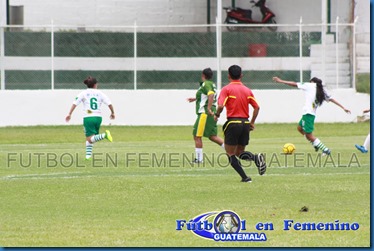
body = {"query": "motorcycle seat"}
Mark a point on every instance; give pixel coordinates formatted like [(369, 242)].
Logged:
[(247, 12)]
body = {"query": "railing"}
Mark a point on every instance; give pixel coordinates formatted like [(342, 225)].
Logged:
[(172, 57)]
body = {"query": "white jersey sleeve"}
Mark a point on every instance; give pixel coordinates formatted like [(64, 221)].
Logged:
[(328, 95), (105, 99), (79, 99), (301, 86)]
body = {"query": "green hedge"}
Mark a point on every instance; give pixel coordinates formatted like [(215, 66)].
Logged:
[(145, 79), (114, 44)]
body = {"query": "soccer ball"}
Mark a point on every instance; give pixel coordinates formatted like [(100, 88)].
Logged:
[(289, 148)]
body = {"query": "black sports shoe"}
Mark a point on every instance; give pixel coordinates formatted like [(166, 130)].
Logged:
[(196, 161), (247, 180), (316, 148), (260, 163)]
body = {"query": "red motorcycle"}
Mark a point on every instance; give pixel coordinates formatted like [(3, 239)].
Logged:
[(244, 16)]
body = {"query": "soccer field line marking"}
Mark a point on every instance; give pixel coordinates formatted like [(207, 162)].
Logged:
[(82, 175)]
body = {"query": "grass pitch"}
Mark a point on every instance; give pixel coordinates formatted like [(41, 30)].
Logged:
[(136, 188)]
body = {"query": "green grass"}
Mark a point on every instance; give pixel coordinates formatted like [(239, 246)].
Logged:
[(130, 199), (363, 82)]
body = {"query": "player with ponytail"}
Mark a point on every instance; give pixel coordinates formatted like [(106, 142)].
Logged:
[(315, 95), (92, 99)]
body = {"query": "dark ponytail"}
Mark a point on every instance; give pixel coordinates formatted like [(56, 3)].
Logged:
[(320, 94), (90, 82)]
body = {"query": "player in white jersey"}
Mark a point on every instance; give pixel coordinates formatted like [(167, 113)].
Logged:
[(92, 99), (315, 94)]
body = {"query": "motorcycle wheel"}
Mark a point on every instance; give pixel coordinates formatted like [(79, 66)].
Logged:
[(272, 21), (230, 28)]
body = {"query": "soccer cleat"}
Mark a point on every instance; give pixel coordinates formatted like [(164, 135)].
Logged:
[(88, 157), (316, 148), (326, 151), (247, 180), (361, 148), (260, 163), (108, 136), (196, 161)]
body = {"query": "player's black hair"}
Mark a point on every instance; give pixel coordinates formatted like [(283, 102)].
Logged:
[(208, 73), (320, 94), (90, 82), (235, 72)]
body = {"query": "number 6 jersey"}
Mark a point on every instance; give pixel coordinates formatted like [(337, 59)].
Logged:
[(92, 100)]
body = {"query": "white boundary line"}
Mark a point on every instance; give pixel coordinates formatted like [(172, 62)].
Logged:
[(85, 176)]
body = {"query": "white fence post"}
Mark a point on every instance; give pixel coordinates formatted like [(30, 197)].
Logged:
[(219, 53), (52, 57), (301, 49), (337, 52), (2, 57), (219, 43), (135, 56), (354, 54), (323, 58)]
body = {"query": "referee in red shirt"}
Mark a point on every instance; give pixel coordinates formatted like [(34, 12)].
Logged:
[(236, 97)]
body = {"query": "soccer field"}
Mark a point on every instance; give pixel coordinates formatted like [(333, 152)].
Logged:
[(135, 188)]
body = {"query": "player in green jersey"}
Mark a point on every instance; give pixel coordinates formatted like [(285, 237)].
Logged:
[(205, 125)]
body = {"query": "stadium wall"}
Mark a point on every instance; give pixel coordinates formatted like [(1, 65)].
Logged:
[(166, 12), (161, 107)]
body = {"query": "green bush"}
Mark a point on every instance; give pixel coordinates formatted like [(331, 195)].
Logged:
[(363, 82)]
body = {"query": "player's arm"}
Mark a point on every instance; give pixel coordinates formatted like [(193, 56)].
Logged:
[(223, 96), (256, 109), (210, 102), (112, 116), (68, 117), (254, 117), (218, 112), (108, 102), (290, 83), (338, 104), (191, 99)]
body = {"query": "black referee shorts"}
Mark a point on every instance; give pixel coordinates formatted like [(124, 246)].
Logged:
[(236, 131)]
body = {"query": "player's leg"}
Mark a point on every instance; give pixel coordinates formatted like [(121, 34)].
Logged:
[(300, 129), (307, 124), (100, 136), (232, 131), (211, 132), (217, 140), (364, 148), (259, 158), (198, 132), (198, 149), (367, 142), (89, 130), (89, 147)]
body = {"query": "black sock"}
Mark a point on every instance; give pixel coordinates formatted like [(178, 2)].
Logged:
[(235, 163), (247, 156)]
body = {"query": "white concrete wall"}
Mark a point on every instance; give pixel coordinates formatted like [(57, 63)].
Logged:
[(166, 12), (157, 107)]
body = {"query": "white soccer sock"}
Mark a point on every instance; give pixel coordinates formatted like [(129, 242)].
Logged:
[(317, 143), (97, 137), (199, 154), (367, 142), (89, 147), (223, 145)]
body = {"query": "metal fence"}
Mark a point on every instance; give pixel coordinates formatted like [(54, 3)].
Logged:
[(148, 57)]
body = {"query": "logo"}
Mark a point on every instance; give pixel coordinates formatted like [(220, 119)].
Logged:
[(219, 226)]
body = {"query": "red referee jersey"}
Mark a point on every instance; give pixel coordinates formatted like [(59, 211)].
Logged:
[(236, 97)]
